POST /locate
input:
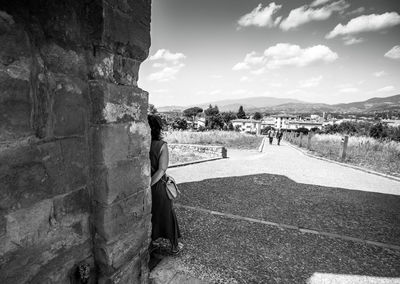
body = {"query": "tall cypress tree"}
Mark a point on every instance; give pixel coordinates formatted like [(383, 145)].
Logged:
[(241, 114)]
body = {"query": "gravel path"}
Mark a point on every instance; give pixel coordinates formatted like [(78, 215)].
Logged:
[(281, 185)]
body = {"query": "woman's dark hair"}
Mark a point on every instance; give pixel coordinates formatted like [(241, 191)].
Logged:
[(155, 123)]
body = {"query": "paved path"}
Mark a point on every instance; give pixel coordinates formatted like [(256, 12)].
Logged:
[(283, 217), (287, 161)]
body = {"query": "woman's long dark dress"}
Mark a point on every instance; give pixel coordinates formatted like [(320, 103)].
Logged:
[(164, 222)]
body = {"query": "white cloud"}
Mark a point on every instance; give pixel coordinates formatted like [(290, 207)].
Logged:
[(394, 53), (260, 17), (349, 40), (386, 89), (166, 55), (366, 23), (356, 11), (245, 79), (319, 2), (159, 65), (305, 14), (285, 54), (240, 66), (259, 71), (311, 82), (250, 59), (379, 73), (349, 90), (216, 76), (169, 66), (166, 74), (215, 92)]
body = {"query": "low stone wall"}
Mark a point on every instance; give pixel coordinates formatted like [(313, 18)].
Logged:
[(209, 151)]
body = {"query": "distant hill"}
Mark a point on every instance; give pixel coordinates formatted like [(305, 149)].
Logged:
[(374, 104), (171, 108), (234, 104), (270, 104)]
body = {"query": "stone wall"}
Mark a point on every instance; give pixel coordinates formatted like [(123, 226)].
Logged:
[(74, 141), (208, 150)]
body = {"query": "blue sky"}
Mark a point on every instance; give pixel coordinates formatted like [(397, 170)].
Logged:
[(325, 51)]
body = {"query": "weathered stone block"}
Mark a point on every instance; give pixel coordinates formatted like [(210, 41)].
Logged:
[(127, 23), (23, 181), (120, 217), (76, 202), (126, 70), (75, 158), (31, 173), (64, 61), (121, 180), (70, 107), (64, 268), (14, 41), (130, 273), (3, 225), (113, 255), (116, 142), (114, 68), (116, 103), (15, 106), (26, 227), (43, 264)]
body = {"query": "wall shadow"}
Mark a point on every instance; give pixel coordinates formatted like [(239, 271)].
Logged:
[(270, 254)]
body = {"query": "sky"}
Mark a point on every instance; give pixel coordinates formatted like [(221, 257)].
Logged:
[(317, 51)]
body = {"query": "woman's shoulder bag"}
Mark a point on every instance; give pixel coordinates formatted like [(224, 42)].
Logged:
[(171, 187)]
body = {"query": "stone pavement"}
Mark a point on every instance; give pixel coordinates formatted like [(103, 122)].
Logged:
[(216, 216)]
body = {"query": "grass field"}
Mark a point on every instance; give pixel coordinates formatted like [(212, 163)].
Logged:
[(381, 156), (228, 139)]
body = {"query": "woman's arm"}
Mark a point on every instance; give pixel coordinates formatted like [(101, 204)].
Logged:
[(162, 165)]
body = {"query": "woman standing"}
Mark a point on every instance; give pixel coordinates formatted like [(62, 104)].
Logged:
[(164, 221)]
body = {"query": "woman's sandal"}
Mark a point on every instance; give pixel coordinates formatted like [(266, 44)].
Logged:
[(154, 247), (177, 250)]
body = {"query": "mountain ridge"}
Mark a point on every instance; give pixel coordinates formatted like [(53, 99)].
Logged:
[(272, 104)]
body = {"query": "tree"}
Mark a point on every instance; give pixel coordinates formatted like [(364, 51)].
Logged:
[(302, 130), (241, 114), (152, 109), (228, 116), (179, 123), (213, 118), (211, 110), (257, 115), (377, 131), (192, 112)]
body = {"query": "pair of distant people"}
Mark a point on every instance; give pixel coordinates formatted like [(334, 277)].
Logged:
[(277, 134)]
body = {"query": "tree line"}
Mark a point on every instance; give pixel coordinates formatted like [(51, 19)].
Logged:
[(361, 128), (214, 118)]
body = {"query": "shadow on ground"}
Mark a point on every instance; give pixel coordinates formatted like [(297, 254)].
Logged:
[(276, 198), (228, 250)]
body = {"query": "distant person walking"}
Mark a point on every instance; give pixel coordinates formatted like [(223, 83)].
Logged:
[(271, 134), (163, 219), (279, 135)]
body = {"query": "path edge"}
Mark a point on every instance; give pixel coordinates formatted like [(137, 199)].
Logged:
[(195, 162)]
